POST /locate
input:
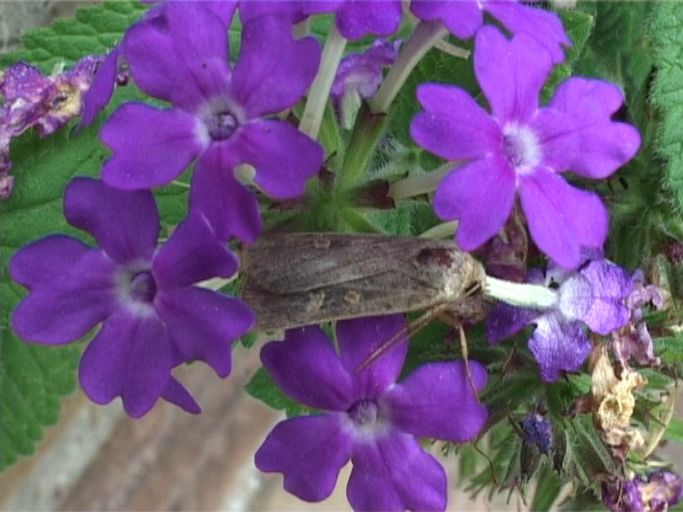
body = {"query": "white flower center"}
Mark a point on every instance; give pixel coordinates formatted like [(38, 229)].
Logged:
[(521, 148)]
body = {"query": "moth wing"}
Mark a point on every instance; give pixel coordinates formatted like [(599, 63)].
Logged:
[(300, 262)]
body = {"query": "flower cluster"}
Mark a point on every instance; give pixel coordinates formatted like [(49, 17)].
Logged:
[(225, 120), (655, 492)]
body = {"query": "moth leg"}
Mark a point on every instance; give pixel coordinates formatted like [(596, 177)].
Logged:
[(465, 356)]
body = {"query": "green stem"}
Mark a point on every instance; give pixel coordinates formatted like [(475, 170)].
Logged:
[(367, 132), (320, 89), (520, 294), (421, 184), (425, 35), (445, 230)]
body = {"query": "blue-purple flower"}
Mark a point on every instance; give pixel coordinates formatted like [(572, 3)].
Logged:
[(220, 114), (594, 296), (153, 317), (524, 148), (369, 419), (537, 431), (463, 17)]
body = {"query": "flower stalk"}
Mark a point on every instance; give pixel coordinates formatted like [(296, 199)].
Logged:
[(333, 52), (425, 35), (418, 185)]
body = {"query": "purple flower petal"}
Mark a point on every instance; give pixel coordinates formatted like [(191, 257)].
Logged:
[(307, 369), (309, 452), (558, 345), (461, 17), (582, 138), (180, 55), (292, 10), (504, 320), (562, 218), (359, 338), (231, 209), (597, 296), (436, 400), (202, 324), (395, 473), (131, 358), (284, 157), (192, 254), (273, 71), (511, 73), (49, 257), (176, 393), (358, 18), (66, 305), (545, 27), (144, 157), (453, 126), (125, 224), (480, 196), (102, 88)]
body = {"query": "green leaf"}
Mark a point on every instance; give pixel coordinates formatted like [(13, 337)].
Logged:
[(263, 387), (94, 30), (578, 26), (548, 488), (666, 32), (670, 350)]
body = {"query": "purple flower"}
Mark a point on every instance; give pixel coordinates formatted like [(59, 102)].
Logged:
[(521, 147), (370, 419), (359, 75), (463, 17), (153, 317), (537, 431), (32, 100), (218, 114), (633, 341), (656, 493), (595, 296), (107, 76)]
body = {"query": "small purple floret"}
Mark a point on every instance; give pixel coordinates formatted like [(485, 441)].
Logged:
[(153, 316), (367, 417), (522, 148), (538, 431)]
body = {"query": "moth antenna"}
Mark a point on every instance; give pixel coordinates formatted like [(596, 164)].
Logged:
[(408, 331), (465, 355)]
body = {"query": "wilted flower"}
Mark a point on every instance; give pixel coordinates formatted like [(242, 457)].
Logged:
[(153, 317), (538, 431), (654, 493), (523, 148), (33, 100), (370, 419)]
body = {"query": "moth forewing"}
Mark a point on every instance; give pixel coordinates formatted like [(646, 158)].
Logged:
[(305, 278)]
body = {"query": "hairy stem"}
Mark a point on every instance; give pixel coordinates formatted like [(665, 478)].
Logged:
[(320, 89)]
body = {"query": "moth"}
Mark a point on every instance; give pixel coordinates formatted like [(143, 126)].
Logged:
[(296, 279)]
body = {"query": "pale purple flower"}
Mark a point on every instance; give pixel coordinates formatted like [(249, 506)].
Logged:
[(218, 114), (153, 317), (633, 341), (463, 17), (594, 296), (524, 148), (368, 418), (654, 493), (33, 100)]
